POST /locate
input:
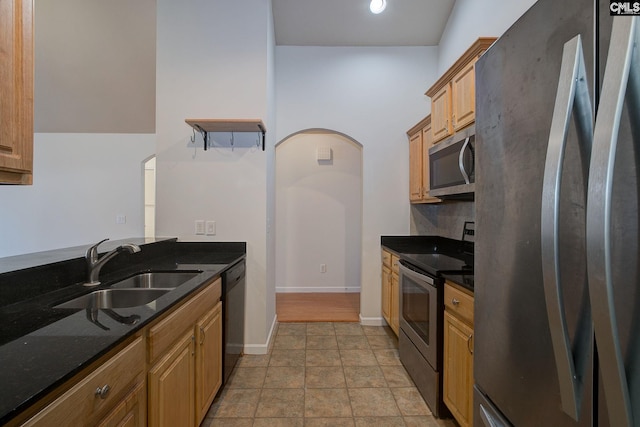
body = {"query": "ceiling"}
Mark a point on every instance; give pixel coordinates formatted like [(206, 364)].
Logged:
[(350, 23)]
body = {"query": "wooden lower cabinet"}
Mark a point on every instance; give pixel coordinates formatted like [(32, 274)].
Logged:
[(130, 412), (390, 290), (171, 386), (208, 360), (458, 355), (386, 293), (174, 386), (83, 405)]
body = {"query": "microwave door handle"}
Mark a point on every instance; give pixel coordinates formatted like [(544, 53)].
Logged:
[(464, 173), (621, 77), (572, 97)]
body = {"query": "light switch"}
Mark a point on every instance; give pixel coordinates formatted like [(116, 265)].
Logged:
[(199, 226), (211, 228)]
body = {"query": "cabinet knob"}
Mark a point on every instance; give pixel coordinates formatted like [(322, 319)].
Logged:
[(193, 345), (455, 301), (103, 391)]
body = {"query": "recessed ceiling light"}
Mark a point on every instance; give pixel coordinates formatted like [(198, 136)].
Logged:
[(377, 6)]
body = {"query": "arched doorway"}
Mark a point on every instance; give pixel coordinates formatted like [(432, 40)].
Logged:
[(318, 224)]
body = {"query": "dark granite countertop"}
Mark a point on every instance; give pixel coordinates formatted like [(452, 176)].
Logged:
[(41, 347), (456, 256)]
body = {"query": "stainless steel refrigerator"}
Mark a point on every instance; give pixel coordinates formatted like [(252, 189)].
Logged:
[(557, 268)]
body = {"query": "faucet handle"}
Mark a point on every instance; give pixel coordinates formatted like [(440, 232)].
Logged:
[(92, 252)]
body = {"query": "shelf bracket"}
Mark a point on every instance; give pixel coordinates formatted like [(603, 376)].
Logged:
[(205, 136), (264, 131)]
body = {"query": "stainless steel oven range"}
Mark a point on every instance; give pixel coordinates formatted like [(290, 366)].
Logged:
[(421, 333)]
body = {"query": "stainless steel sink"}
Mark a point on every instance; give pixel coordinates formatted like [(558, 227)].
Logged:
[(157, 279), (115, 298)]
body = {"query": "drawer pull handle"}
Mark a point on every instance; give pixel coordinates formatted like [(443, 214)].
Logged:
[(202, 335), (455, 301), (103, 391), (469, 347)]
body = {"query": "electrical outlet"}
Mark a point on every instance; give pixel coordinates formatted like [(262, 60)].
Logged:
[(121, 219), (199, 226), (211, 228), (323, 268)]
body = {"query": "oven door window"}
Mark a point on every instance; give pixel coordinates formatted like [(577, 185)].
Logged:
[(415, 308), (419, 319)]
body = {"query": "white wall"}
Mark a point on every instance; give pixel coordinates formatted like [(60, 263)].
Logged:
[(80, 183), (212, 62), (471, 19), (319, 214), (373, 95)]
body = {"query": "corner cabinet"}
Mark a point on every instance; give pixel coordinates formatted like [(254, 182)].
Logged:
[(420, 140), (453, 95), (458, 353), (390, 290), (16, 87)]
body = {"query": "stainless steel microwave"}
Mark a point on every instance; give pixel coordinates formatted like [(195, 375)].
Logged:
[(452, 166)]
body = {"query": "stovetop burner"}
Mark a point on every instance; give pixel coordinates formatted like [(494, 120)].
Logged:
[(438, 263)]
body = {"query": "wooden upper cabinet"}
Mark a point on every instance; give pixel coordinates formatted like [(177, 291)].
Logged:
[(16, 87), (453, 95), (420, 140), (463, 94), (415, 167), (441, 113)]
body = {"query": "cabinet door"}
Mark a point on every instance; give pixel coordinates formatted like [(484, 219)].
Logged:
[(386, 294), (416, 189), (208, 359), (16, 87), (171, 386), (441, 114), (458, 369), (395, 303), (130, 412), (427, 142), (463, 89)]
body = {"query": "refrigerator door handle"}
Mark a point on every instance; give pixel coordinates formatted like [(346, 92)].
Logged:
[(487, 419), (621, 77), (572, 99)]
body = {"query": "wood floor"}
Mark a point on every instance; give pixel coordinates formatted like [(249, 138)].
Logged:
[(318, 307)]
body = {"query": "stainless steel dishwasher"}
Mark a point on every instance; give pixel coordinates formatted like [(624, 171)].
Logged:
[(233, 297)]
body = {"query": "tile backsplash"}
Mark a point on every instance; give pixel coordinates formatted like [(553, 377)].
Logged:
[(443, 219)]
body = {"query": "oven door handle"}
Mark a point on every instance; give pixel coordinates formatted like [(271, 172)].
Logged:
[(415, 275)]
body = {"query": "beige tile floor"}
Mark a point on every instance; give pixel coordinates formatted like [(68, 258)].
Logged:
[(323, 374)]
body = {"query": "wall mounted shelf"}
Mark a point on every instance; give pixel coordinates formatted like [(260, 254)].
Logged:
[(205, 126)]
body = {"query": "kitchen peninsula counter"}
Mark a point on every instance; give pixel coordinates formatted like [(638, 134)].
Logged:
[(42, 347)]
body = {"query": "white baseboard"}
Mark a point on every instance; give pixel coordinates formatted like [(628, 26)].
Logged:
[(372, 321), (263, 348), (284, 290)]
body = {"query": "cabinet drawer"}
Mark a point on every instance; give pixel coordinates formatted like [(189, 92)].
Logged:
[(82, 404), (458, 302), (394, 264), (386, 258), (172, 327)]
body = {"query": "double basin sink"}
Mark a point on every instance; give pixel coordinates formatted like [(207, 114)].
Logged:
[(133, 291)]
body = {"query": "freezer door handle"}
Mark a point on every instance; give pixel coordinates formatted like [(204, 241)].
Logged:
[(621, 78), (572, 99), (487, 419)]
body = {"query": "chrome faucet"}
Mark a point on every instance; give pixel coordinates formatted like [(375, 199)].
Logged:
[(94, 264)]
